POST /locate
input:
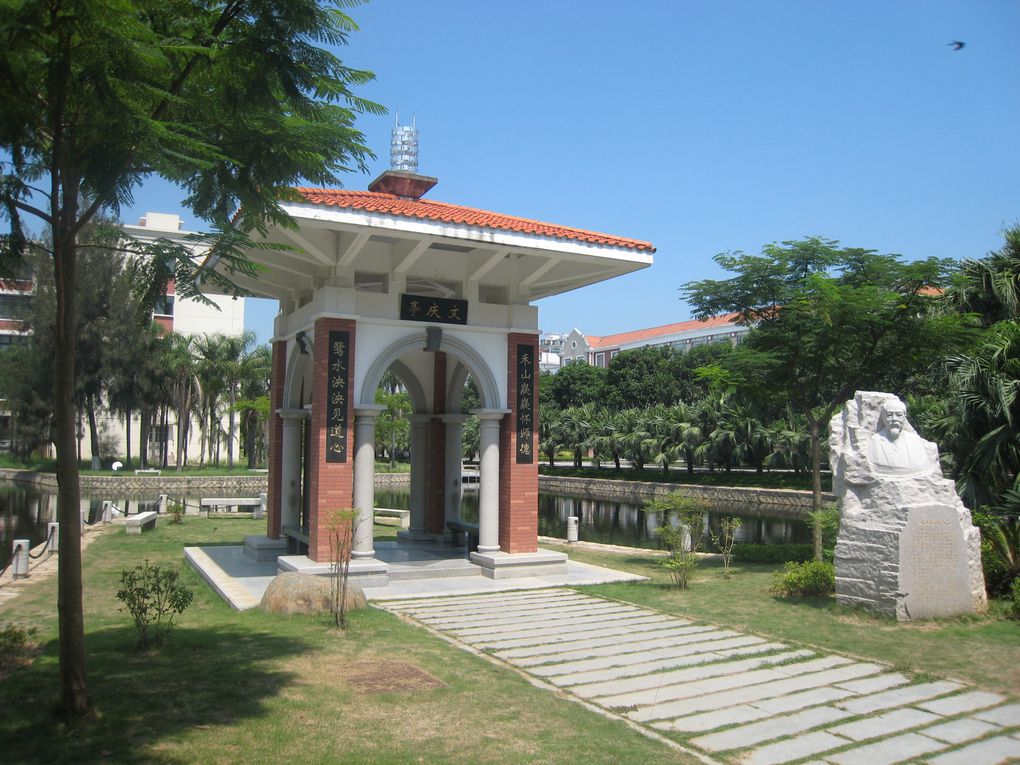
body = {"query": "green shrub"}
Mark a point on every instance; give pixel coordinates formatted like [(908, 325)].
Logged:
[(17, 645), (153, 596), (812, 577), (777, 553), (176, 512), (681, 541), (1013, 608)]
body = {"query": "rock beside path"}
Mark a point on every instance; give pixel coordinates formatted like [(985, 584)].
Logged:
[(293, 593)]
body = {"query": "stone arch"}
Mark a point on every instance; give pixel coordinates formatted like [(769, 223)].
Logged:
[(300, 367), (455, 391), (467, 357), (418, 399)]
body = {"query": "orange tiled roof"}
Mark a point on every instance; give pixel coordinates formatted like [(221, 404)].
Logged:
[(428, 209), (615, 341)]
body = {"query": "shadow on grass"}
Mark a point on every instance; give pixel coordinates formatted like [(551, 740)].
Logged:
[(202, 678)]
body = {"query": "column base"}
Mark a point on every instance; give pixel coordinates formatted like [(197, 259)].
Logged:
[(500, 565), (362, 554)]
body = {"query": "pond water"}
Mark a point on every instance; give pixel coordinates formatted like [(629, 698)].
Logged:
[(25, 512), (625, 523)]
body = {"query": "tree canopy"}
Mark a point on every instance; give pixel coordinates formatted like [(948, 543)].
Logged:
[(829, 320), (234, 102)]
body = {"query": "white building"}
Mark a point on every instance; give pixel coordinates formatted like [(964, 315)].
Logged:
[(579, 348)]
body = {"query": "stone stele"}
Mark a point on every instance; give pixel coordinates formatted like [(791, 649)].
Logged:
[(906, 543)]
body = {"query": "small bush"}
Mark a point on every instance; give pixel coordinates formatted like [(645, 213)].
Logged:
[(683, 540), (153, 596), (176, 512), (17, 645), (804, 579), (776, 553), (1013, 607)]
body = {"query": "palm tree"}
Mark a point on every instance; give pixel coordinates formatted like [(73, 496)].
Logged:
[(574, 429), (185, 387), (235, 356), (253, 401), (209, 350), (791, 443), (548, 438)]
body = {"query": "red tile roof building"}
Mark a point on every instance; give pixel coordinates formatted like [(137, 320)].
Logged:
[(578, 348)]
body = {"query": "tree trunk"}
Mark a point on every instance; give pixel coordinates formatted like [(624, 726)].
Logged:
[(230, 429), (90, 407), (73, 696), (127, 434), (816, 484), (143, 439)]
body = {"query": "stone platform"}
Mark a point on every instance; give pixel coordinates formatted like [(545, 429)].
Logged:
[(411, 571)]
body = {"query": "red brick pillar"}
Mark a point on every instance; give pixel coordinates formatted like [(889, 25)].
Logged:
[(435, 478), (277, 381), (330, 484), (518, 481)]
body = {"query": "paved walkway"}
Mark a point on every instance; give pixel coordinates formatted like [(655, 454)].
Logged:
[(727, 696)]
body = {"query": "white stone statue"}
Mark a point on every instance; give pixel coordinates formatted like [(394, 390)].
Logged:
[(906, 544)]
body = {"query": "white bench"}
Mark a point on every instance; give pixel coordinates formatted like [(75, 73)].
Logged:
[(136, 524), (148, 471), (403, 515), (257, 504)]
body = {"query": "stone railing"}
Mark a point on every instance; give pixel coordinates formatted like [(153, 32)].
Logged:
[(638, 491), (129, 484)]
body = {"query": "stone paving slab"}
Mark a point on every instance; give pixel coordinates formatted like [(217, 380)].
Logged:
[(630, 670), (562, 635), (639, 657), (612, 644), (740, 698), (899, 697), (794, 749), (892, 722), (891, 750), (741, 694), (962, 703), (1008, 715), (992, 750), (960, 730), (759, 732)]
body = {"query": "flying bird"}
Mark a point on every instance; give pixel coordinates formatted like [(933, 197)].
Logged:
[(956, 44)]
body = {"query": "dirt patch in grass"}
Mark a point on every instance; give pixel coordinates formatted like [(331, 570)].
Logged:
[(385, 676)]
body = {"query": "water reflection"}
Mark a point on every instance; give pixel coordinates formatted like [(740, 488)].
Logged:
[(625, 523)]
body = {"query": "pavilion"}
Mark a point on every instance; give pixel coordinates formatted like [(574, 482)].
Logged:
[(384, 280)]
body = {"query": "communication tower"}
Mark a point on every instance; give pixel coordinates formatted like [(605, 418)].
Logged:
[(404, 147)]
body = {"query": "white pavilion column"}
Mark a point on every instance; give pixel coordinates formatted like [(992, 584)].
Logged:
[(454, 459), (364, 478), (290, 468), (419, 469), (488, 479)]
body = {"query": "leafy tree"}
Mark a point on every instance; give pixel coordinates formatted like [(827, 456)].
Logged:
[(828, 321), (575, 385), (234, 102)]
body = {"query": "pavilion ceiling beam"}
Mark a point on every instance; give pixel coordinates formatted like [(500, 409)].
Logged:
[(541, 271), (494, 260), (411, 258), (353, 248), (307, 247)]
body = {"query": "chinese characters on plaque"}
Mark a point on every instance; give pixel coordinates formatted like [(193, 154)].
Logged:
[(526, 382), (336, 396), (442, 310)]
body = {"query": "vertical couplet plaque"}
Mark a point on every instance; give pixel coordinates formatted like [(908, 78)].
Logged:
[(525, 402), (336, 388)]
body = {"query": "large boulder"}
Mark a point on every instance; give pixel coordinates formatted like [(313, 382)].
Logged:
[(293, 593)]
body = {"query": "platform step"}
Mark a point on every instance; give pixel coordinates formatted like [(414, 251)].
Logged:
[(440, 569)]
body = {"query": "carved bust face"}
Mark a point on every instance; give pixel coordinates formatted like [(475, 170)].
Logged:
[(894, 414)]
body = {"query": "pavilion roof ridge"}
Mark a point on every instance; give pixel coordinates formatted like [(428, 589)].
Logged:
[(446, 212)]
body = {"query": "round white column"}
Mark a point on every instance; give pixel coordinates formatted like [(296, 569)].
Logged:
[(290, 468), (419, 467), (364, 479), (454, 459), (488, 479)]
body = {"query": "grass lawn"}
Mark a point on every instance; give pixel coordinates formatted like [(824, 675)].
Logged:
[(254, 687), (982, 649), (258, 687)]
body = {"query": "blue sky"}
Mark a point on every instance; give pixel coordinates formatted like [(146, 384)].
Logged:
[(701, 126)]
